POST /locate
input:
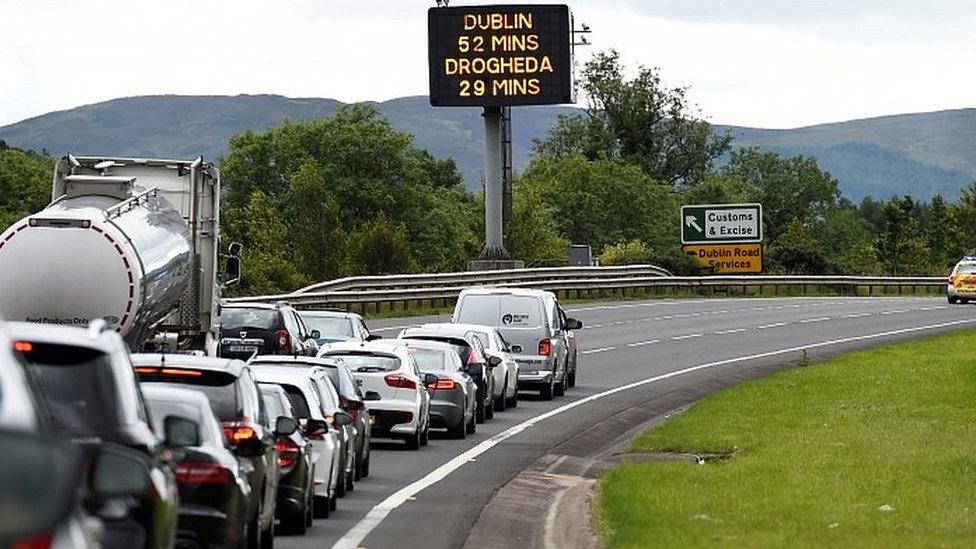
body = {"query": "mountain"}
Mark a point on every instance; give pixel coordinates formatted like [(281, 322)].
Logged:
[(917, 154)]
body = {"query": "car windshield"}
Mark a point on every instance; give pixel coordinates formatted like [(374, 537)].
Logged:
[(236, 318), (966, 268), (512, 311), (77, 385), (330, 327), (430, 359), (367, 362)]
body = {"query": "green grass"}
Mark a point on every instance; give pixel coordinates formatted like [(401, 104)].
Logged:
[(816, 451)]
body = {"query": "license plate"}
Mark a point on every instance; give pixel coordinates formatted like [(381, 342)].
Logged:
[(241, 349)]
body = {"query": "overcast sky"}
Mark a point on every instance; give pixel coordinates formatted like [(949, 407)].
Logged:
[(767, 63)]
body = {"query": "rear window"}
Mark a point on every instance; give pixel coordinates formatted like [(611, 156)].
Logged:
[(161, 409), (273, 403), (330, 327), (220, 387), (430, 359), (509, 311), (299, 404), (367, 362), (966, 268), (238, 318), (78, 387)]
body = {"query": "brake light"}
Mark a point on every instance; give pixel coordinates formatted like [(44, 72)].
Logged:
[(400, 381), (176, 372), (238, 431), (42, 541), (445, 385), (201, 472), (23, 346), (545, 347), (288, 452), (284, 341)]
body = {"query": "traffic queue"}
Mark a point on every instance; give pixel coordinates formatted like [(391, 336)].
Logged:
[(101, 447)]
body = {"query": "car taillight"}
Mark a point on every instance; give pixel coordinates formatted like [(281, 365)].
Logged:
[(238, 431), (344, 403), (201, 472), (445, 385), (42, 541), (545, 347), (23, 346), (284, 342), (288, 452), (400, 381)]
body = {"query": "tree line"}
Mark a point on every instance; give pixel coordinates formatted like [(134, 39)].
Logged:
[(348, 195)]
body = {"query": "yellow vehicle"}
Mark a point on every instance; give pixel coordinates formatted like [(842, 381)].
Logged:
[(962, 281)]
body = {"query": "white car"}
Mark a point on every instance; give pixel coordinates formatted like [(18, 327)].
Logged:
[(399, 404), (326, 444), (506, 376)]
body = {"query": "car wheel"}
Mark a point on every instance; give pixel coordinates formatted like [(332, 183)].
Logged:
[(254, 531), (559, 389), (296, 522), (952, 300), (501, 401), (479, 412), (547, 391), (358, 470), (513, 401), (333, 502), (321, 506), (350, 485), (572, 379), (964, 300), (341, 483), (267, 536), (472, 425), (458, 431), (425, 436), (366, 465), (413, 441), (310, 506)]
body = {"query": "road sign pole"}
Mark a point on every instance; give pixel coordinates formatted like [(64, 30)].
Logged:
[(494, 193)]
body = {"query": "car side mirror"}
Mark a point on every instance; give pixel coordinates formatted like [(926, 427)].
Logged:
[(39, 479), (315, 334), (250, 447), (232, 264), (573, 324), (119, 471), (181, 432), (316, 428), (373, 337), (516, 349), (430, 380), (372, 395), (285, 426), (494, 361), (341, 418)]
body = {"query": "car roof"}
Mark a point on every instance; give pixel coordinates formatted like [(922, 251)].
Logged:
[(267, 306), (389, 346), (423, 331), (231, 366), (427, 344), (528, 292), (326, 313), (106, 341), (459, 328), (264, 373), (292, 361)]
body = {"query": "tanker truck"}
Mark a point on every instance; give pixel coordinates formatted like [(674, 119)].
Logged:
[(134, 242)]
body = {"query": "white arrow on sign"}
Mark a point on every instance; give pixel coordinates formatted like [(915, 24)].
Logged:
[(690, 221)]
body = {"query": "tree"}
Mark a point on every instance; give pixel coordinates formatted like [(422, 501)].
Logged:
[(900, 250), (381, 248), (25, 184), (944, 236), (314, 232), (634, 252), (639, 121), (532, 232), (797, 252)]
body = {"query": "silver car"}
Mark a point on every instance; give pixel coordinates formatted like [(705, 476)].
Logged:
[(536, 328)]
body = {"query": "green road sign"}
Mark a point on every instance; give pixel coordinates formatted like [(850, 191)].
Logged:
[(718, 223)]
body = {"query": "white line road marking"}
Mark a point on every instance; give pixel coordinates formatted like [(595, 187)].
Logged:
[(733, 331), (600, 350), (775, 325), (821, 319), (642, 343), (354, 537), (688, 336)]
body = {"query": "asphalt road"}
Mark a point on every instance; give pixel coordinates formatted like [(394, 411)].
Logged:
[(632, 355)]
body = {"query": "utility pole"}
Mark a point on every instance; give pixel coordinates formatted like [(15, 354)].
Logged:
[(494, 188)]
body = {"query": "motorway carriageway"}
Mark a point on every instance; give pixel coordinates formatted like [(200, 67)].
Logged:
[(662, 352)]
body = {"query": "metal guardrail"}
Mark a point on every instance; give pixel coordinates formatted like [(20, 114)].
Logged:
[(402, 291)]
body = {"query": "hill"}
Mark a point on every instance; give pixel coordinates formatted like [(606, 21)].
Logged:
[(916, 154)]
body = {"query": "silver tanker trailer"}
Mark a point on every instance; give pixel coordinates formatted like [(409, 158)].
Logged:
[(132, 241)]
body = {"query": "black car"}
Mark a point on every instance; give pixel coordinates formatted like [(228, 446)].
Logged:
[(92, 397), (296, 485), (236, 401), (249, 329), (214, 492)]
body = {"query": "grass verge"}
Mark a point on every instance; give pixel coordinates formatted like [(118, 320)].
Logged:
[(872, 449)]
